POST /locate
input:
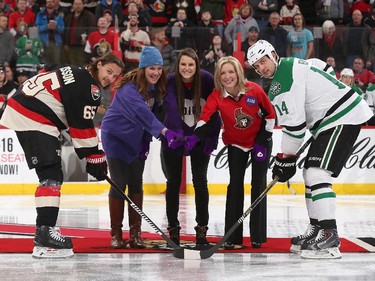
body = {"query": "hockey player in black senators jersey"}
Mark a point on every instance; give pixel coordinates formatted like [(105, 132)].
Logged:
[(65, 98)]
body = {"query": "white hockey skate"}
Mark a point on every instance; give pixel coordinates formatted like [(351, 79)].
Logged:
[(49, 243)]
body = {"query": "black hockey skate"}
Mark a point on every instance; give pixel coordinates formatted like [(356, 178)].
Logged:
[(50, 243), (309, 235)]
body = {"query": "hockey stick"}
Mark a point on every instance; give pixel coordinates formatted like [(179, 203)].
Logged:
[(189, 254), (142, 214), (291, 189)]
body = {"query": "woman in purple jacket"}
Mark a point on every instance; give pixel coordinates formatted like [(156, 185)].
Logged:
[(127, 129), (187, 91)]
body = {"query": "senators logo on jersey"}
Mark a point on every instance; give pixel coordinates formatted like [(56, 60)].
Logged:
[(243, 120), (95, 92)]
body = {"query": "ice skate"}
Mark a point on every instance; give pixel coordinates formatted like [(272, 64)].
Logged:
[(49, 243), (310, 234), (325, 246)]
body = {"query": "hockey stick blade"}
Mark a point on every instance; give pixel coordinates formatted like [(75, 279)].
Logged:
[(189, 254), (142, 214)]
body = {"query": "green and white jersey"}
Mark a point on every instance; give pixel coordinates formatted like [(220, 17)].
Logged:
[(308, 98), (369, 97)]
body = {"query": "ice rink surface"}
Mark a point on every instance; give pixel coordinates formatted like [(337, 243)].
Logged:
[(287, 217)]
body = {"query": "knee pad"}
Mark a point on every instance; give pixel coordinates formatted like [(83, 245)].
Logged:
[(314, 176), (50, 172)]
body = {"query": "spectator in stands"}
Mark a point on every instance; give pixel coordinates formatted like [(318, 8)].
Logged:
[(181, 30), (132, 41), (308, 10), (34, 5), (370, 21), (331, 10), (218, 49), (331, 44), (51, 30), (91, 5), (7, 89), (262, 10), (99, 42), (20, 19), (287, 12), (78, 25), (362, 76), (332, 62), (144, 16), (240, 23), (347, 77), (29, 53), (275, 34), (114, 6), (5, 9), (160, 11), (167, 51), (300, 39), (188, 89), (206, 30), (22, 76), (249, 71), (189, 7), (356, 36), (7, 43), (231, 9), (364, 6), (216, 9)]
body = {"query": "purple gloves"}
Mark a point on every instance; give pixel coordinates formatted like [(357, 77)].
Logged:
[(145, 148), (174, 139), (260, 152), (191, 141)]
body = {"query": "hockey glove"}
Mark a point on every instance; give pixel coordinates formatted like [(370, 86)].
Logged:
[(174, 139), (284, 168), (259, 152), (145, 148), (97, 165), (191, 142)]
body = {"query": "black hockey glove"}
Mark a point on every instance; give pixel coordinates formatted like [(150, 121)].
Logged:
[(284, 168), (97, 165)]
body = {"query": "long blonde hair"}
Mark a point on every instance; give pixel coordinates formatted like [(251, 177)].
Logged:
[(138, 77), (239, 71)]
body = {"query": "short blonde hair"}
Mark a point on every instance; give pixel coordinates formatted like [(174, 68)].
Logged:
[(238, 69)]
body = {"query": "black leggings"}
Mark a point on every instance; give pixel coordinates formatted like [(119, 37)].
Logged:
[(124, 174), (237, 161), (199, 165)]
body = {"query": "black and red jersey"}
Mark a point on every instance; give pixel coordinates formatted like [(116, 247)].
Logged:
[(66, 98)]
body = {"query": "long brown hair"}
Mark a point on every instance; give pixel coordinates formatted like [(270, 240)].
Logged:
[(109, 58), (138, 77), (196, 84)]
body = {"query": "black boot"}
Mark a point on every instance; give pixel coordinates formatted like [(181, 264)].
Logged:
[(201, 232), (174, 234)]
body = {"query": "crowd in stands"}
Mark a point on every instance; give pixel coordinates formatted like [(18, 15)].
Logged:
[(77, 32)]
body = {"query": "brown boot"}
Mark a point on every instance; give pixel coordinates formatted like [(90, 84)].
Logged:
[(201, 235), (135, 222), (116, 212)]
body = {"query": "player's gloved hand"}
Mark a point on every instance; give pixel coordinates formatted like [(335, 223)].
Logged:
[(174, 139), (191, 142), (145, 148), (97, 165), (284, 168), (259, 152)]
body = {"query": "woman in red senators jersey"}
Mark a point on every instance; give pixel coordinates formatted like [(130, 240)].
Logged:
[(248, 120), (65, 98)]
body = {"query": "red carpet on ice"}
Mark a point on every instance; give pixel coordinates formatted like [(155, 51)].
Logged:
[(98, 241)]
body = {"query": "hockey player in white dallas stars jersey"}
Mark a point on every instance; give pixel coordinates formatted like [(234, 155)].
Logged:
[(308, 98)]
